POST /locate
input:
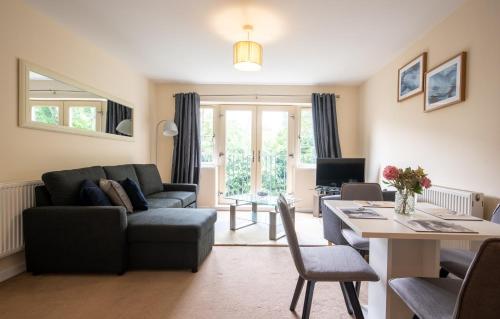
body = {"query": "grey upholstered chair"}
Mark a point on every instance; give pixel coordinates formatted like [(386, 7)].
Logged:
[(341, 264), (474, 297), (359, 191), (457, 261)]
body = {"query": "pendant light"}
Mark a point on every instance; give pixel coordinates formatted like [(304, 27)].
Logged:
[(247, 55)]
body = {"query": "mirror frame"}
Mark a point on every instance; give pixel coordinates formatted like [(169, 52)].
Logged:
[(25, 67)]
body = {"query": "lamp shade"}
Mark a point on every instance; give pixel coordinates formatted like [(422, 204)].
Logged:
[(170, 128), (125, 127), (247, 56)]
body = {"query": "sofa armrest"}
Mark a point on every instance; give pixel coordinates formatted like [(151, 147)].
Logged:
[(180, 187), (75, 238)]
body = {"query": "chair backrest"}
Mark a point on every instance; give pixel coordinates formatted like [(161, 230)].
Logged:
[(478, 297), (361, 191), (291, 235), (495, 217)]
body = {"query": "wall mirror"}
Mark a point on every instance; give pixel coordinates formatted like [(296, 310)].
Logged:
[(50, 101)]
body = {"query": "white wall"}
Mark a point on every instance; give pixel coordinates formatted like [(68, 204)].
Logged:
[(458, 145), (347, 107)]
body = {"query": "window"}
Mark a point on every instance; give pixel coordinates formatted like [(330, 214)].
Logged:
[(85, 115), (207, 135), (46, 114), (306, 139)]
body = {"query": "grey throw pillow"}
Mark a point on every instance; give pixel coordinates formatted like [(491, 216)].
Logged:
[(116, 193)]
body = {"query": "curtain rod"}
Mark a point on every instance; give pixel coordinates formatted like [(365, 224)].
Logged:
[(259, 95)]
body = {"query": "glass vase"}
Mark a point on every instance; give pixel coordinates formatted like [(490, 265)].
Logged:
[(405, 202)]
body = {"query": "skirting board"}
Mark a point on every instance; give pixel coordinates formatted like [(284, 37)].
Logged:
[(12, 271)]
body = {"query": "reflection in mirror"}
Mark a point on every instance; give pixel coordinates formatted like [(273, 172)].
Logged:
[(54, 103)]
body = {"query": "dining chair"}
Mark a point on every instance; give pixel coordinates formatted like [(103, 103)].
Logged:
[(457, 261), (359, 191), (339, 263), (441, 298)]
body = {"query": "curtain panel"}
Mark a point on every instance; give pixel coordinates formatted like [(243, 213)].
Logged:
[(326, 135), (186, 160), (115, 114)]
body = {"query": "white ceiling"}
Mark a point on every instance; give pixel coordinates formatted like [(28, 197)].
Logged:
[(305, 42)]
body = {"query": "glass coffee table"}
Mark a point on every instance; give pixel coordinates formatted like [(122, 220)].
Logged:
[(255, 200)]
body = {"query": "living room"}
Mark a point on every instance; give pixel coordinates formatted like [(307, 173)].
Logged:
[(211, 110)]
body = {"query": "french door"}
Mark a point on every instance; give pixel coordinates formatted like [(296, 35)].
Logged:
[(256, 149)]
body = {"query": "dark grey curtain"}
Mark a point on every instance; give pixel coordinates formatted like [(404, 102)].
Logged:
[(326, 135), (115, 114), (186, 161)]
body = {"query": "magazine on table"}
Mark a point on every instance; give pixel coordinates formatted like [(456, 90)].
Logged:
[(434, 225), (374, 204), (447, 214), (361, 213)]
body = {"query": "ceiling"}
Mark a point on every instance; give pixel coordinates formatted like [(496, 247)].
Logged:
[(305, 42)]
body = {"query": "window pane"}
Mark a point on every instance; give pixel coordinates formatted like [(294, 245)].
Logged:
[(307, 150), (45, 114), (83, 117), (274, 155), (207, 135)]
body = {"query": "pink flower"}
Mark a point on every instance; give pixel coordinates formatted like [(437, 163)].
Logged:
[(425, 182), (391, 172)]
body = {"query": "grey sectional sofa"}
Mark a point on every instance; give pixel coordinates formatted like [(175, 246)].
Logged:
[(61, 236)]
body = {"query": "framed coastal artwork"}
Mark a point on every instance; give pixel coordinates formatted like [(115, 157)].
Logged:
[(445, 84), (411, 77)]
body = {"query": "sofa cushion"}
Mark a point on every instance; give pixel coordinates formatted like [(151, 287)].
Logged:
[(170, 225), (164, 203), (121, 172), (92, 195), (116, 193), (185, 197), (149, 178), (135, 194), (64, 186)]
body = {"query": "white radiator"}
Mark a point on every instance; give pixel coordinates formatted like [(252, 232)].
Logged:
[(461, 201), (14, 198)]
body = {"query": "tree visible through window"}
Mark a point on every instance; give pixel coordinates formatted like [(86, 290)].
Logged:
[(45, 114), (83, 117), (207, 135), (306, 138)]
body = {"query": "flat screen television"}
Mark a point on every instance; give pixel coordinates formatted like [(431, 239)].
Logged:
[(334, 172)]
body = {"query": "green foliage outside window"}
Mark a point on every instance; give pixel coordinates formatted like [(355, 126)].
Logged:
[(45, 114), (307, 150), (207, 135), (83, 117)]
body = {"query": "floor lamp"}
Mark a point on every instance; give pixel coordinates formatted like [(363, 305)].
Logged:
[(169, 129)]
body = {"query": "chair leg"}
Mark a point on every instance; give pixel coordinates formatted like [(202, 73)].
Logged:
[(357, 287), (443, 273), (296, 294), (353, 298), (346, 299), (308, 299)]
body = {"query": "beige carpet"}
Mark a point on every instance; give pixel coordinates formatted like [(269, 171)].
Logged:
[(309, 230), (234, 282)]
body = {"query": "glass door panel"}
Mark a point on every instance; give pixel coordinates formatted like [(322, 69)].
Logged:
[(273, 152), (239, 151)]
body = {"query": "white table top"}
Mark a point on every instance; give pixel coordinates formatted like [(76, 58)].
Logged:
[(390, 228)]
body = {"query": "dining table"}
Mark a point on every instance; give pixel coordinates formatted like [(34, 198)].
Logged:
[(399, 251)]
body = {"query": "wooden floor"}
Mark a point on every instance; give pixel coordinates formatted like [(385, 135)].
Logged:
[(234, 282)]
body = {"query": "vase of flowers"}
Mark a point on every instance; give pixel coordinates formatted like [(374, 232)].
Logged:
[(407, 182)]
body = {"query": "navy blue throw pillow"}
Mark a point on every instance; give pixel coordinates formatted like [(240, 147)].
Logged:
[(92, 195), (135, 194)]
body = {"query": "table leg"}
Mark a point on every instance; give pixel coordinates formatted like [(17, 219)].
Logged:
[(254, 212), (273, 223), (232, 217), (392, 258)]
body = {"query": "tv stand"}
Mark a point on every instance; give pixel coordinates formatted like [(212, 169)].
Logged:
[(322, 191)]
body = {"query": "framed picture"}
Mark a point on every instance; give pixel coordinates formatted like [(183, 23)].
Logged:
[(445, 84), (411, 77)]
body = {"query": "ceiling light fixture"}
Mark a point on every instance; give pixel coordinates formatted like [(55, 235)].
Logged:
[(247, 55)]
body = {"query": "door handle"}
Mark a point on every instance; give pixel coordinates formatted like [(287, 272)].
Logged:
[(259, 156), (253, 156), (221, 154), (291, 155)]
